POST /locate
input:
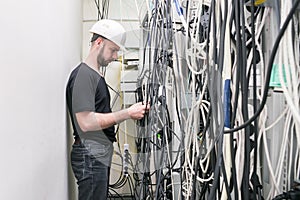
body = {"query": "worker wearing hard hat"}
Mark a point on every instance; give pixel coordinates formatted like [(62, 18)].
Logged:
[(93, 121)]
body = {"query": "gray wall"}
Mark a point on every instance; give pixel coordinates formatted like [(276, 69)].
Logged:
[(40, 41)]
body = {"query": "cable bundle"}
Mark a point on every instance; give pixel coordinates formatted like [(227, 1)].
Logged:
[(205, 68)]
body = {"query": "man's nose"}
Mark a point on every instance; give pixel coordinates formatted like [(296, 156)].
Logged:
[(115, 55)]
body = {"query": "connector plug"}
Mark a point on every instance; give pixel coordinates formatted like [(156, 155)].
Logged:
[(126, 159)]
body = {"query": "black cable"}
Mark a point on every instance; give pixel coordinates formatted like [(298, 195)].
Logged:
[(215, 98), (215, 184), (222, 38), (157, 73), (269, 70), (245, 114), (118, 195), (198, 158), (234, 15), (195, 178), (105, 8), (256, 186), (178, 114), (130, 183), (233, 168), (215, 57), (97, 2), (220, 66), (225, 178), (238, 60)]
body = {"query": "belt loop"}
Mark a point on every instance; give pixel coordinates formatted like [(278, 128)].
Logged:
[(77, 140)]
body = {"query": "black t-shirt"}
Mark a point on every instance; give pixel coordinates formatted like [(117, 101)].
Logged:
[(87, 91)]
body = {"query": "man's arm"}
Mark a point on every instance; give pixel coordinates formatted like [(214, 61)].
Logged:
[(91, 121)]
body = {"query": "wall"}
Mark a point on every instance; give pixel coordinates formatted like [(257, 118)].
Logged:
[(40, 41)]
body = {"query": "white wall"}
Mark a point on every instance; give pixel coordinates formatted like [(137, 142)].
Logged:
[(40, 41)]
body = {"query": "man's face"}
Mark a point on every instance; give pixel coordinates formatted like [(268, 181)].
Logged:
[(108, 52)]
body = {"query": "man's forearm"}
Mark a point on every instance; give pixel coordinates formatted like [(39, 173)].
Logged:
[(91, 121), (106, 120)]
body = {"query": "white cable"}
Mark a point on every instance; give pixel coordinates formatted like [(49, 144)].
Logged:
[(291, 159), (281, 158), (277, 119), (288, 96), (266, 151)]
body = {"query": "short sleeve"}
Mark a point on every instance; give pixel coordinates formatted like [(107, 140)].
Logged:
[(84, 91)]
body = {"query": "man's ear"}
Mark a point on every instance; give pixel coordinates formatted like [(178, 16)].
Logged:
[(99, 41)]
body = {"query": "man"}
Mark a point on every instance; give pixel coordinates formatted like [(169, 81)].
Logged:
[(93, 121)]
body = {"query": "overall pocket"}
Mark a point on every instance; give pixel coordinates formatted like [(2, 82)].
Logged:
[(81, 162)]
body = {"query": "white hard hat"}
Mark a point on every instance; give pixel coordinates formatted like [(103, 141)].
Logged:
[(111, 30)]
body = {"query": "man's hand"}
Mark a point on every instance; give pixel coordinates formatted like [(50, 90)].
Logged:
[(137, 111), (91, 121)]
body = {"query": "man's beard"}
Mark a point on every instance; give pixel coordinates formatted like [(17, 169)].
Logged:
[(100, 59)]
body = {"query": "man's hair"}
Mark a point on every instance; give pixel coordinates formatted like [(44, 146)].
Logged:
[(96, 36)]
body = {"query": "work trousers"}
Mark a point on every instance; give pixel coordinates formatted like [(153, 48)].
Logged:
[(92, 175)]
